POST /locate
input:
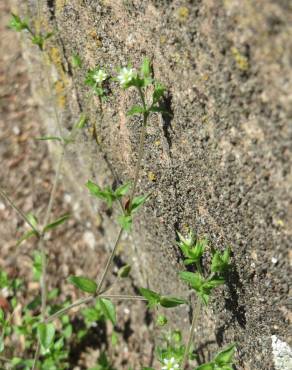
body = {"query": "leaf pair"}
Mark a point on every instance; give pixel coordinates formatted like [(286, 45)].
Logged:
[(193, 250), (221, 262), (17, 24), (126, 220), (34, 222), (222, 361), (154, 299), (202, 286), (90, 286), (107, 194)]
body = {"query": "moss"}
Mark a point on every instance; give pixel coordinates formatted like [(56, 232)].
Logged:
[(240, 60)]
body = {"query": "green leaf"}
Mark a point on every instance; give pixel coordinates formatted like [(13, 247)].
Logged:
[(2, 316), (124, 271), (220, 262), (122, 190), (46, 333), (83, 283), (76, 61), (108, 309), (136, 109), (170, 302), (56, 138), (225, 357), (159, 91), (213, 283), (32, 219), (138, 202), (81, 122), (161, 320), (37, 265), (194, 279), (125, 221), (2, 346), (146, 68), (107, 195), (152, 297), (208, 366), (17, 24), (57, 222), (26, 236), (156, 109)]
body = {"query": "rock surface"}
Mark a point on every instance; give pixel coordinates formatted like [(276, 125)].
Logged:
[(220, 166)]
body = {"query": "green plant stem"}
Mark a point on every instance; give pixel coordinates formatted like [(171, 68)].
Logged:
[(21, 214), (36, 355), (196, 316), (68, 308), (109, 261), (90, 299)]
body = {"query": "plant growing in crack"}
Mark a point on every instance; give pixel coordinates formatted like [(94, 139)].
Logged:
[(49, 348)]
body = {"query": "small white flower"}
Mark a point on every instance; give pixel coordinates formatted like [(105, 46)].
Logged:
[(99, 76), (170, 364), (126, 75)]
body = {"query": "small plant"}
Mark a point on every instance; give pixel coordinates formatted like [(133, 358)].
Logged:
[(52, 342)]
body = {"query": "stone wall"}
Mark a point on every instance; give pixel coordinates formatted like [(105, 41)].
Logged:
[(221, 165)]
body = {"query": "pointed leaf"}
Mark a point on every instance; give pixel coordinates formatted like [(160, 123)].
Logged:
[(208, 366), (108, 309), (57, 222), (124, 271), (194, 279), (122, 190), (146, 68), (137, 202), (136, 109), (56, 138), (152, 297), (26, 236), (46, 333), (159, 91), (225, 357), (125, 221), (169, 302), (83, 283)]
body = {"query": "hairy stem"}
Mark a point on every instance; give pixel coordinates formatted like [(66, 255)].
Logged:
[(109, 261), (19, 211), (90, 299), (196, 315)]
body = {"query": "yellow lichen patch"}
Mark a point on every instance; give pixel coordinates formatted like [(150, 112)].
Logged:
[(183, 13), (151, 176), (162, 39), (60, 93), (157, 143), (59, 6), (240, 60)]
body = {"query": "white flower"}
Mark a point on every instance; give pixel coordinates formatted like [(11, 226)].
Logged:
[(126, 75), (99, 76), (170, 364)]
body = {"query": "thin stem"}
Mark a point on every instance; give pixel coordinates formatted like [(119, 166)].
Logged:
[(109, 261), (90, 299), (36, 356), (196, 315), (54, 188), (124, 297), (21, 214), (140, 156), (141, 144), (68, 308)]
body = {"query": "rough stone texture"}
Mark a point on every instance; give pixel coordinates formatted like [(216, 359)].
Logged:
[(221, 165)]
